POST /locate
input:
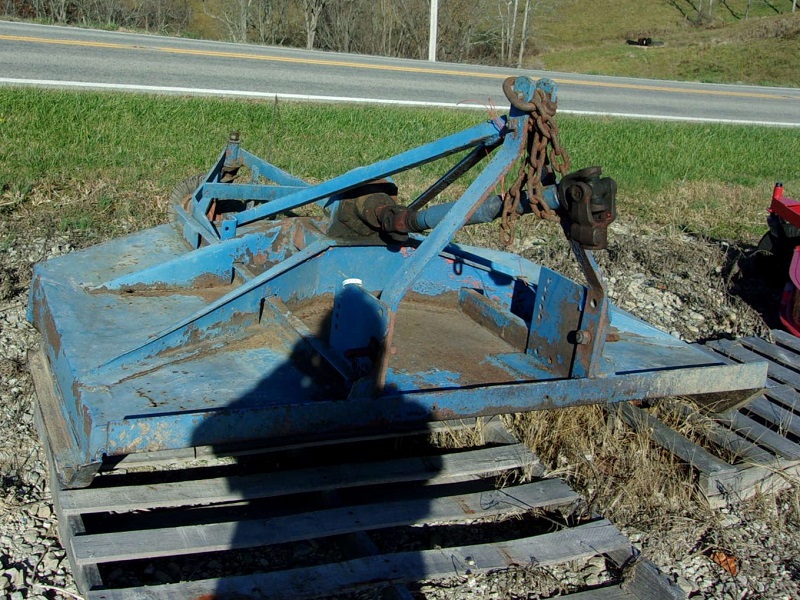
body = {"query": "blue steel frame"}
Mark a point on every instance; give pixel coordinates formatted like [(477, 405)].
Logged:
[(176, 338)]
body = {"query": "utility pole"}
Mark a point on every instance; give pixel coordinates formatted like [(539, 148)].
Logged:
[(433, 30)]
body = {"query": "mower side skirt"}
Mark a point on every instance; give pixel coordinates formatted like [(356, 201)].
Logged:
[(277, 422)]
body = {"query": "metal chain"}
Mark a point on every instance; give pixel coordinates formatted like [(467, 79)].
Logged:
[(543, 148)]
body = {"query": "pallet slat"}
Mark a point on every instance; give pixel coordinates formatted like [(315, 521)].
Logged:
[(610, 593), (761, 435), (683, 448), (763, 458), (432, 469), (786, 395), (582, 542), (736, 351), (176, 541), (782, 338), (780, 417), (784, 357), (728, 439)]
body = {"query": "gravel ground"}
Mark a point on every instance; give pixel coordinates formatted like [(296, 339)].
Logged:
[(682, 285)]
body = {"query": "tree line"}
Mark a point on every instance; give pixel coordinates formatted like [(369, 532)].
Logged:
[(497, 32), (478, 31)]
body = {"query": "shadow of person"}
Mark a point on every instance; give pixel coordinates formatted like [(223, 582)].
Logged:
[(326, 488)]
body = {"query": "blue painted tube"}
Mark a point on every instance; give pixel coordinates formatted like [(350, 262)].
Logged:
[(487, 212)]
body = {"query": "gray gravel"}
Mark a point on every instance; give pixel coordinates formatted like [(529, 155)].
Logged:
[(32, 562), (680, 298)]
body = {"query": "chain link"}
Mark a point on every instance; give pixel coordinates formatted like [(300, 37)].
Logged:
[(543, 149)]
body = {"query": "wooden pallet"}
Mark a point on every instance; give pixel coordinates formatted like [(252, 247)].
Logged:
[(330, 519), (755, 449)]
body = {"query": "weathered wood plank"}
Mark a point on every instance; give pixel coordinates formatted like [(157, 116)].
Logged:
[(86, 576), (671, 440), (642, 580), (760, 434), (740, 353), (645, 582), (208, 454), (715, 476), (433, 469), (786, 340), (177, 540), (727, 439), (785, 395), (613, 592), (359, 544), (578, 543), (755, 479), (783, 419), (784, 357)]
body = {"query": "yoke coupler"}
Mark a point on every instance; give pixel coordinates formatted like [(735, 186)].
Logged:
[(585, 203), (588, 205)]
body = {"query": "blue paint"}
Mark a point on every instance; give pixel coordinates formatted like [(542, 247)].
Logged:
[(205, 333)]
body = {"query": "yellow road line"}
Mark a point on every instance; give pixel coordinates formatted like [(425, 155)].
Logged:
[(405, 69)]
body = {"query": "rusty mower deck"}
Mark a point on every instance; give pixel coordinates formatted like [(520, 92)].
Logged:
[(242, 323)]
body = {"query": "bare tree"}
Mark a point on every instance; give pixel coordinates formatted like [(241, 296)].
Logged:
[(162, 16), (234, 14), (269, 18), (705, 12), (57, 10), (312, 9), (340, 25)]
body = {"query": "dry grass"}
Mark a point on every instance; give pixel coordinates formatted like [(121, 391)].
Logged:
[(620, 472), (712, 209), (85, 211)]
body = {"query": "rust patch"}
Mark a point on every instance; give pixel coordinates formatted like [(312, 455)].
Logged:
[(430, 333), (299, 239), (209, 287), (208, 280), (443, 414), (315, 313), (47, 327), (435, 336), (464, 506), (87, 417), (258, 260)]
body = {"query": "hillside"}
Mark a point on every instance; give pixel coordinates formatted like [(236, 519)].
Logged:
[(763, 49)]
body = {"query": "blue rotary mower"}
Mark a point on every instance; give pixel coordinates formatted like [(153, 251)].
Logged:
[(242, 323)]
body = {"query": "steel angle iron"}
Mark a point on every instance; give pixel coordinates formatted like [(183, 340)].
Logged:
[(242, 322)]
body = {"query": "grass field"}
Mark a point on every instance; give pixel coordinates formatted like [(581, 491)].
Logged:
[(94, 155), (763, 49)]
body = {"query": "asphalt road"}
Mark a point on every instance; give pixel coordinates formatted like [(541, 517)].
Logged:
[(45, 55)]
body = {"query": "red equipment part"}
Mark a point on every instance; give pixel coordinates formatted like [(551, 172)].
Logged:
[(785, 218), (785, 208), (790, 300)]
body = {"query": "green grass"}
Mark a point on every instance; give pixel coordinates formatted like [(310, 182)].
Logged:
[(762, 50), (91, 158)]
